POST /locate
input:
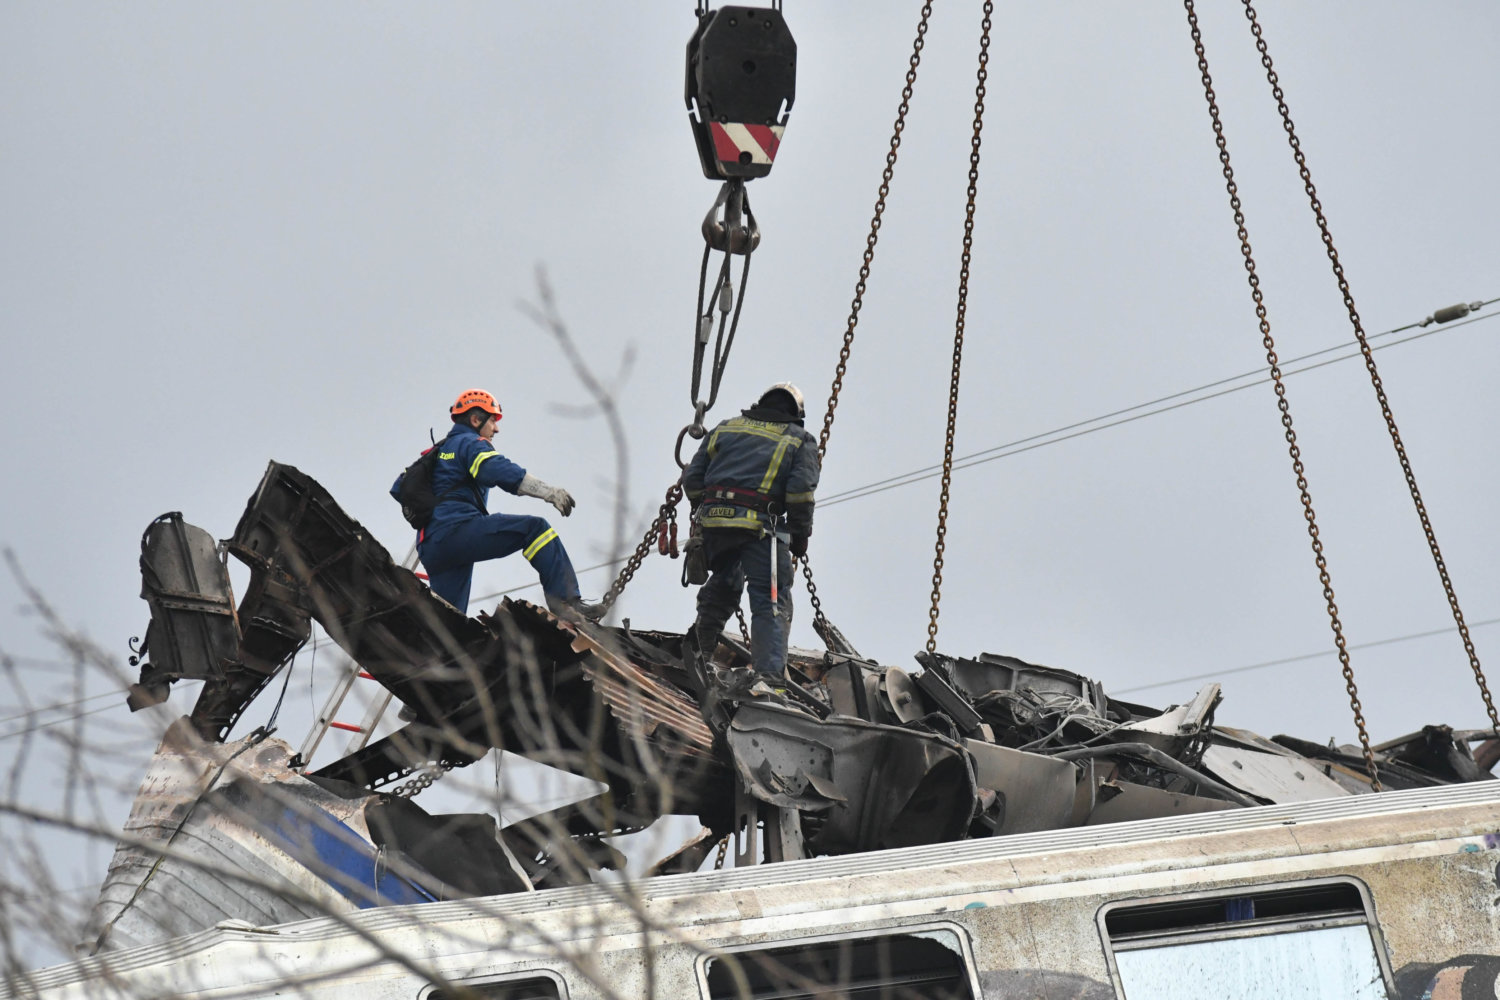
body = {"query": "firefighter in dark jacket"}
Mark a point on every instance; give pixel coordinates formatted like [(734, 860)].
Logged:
[(463, 531), (751, 486)]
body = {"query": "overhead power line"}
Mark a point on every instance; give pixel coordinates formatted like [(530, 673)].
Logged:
[(58, 705), (1150, 408), (1305, 656), (55, 722)]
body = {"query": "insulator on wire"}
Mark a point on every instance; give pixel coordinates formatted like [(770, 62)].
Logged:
[(1450, 313)]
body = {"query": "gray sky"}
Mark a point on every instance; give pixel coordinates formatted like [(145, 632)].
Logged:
[(235, 233)]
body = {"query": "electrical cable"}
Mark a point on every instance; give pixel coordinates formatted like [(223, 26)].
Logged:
[(58, 705), (1079, 428), (1083, 427), (55, 722), (1304, 656)]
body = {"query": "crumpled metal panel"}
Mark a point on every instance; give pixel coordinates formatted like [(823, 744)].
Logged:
[(1124, 801), (1038, 791), (193, 632), (660, 753), (1273, 777), (996, 672), (419, 647), (647, 706), (230, 832), (869, 786)]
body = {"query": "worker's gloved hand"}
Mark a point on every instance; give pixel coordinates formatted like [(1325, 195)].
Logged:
[(799, 546), (558, 497)]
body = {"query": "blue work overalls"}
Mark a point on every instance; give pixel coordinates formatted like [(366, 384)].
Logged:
[(463, 532)]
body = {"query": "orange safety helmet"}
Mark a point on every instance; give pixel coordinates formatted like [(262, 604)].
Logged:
[(475, 399)]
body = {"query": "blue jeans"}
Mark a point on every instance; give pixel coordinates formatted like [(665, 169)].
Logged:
[(737, 557), (450, 552)]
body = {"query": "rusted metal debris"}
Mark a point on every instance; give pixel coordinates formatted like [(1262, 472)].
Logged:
[(854, 756)]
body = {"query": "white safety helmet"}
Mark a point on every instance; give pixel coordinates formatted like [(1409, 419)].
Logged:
[(790, 390)]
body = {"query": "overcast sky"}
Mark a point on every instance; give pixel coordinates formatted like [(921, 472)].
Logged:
[(232, 233)]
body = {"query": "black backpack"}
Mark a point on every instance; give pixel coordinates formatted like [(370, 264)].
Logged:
[(414, 490)]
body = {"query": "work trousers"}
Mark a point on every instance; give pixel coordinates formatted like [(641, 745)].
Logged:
[(737, 557), (450, 552)]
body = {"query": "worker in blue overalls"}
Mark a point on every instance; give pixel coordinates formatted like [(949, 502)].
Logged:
[(751, 486), (463, 531)]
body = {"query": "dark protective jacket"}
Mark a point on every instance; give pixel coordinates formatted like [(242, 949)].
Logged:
[(467, 466), (768, 465)]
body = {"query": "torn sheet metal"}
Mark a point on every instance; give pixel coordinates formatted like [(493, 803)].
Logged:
[(1124, 801), (1037, 792), (1172, 729), (228, 831), (1272, 777), (869, 786), (1436, 749), (193, 632), (994, 672)]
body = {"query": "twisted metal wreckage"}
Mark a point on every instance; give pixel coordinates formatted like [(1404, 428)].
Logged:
[(859, 757)]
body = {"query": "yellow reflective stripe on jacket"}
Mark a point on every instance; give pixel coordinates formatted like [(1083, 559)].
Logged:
[(799, 498), (478, 459), (540, 543), (776, 456), (749, 521)]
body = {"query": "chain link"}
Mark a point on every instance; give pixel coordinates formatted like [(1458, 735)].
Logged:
[(723, 851), (1281, 400), (820, 621), (1364, 347), (958, 328), (668, 509), (874, 235), (739, 613), (812, 597), (421, 782)]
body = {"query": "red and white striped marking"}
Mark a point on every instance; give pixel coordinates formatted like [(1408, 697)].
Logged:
[(760, 141)]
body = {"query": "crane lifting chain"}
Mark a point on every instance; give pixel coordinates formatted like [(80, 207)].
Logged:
[(821, 625), (1281, 400), (741, 81), (1364, 348), (958, 328)]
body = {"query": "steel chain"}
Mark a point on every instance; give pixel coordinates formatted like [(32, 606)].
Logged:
[(812, 596), (421, 782), (958, 328), (1281, 400), (819, 620), (874, 235), (1364, 347), (668, 507), (744, 629), (723, 851)]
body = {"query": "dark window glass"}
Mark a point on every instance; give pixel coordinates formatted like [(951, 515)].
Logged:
[(540, 988), (892, 967), (1334, 899)]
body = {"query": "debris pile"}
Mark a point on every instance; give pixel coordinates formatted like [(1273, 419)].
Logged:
[(853, 756)]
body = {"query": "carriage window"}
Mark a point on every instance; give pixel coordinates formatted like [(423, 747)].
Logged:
[(536, 988), (1284, 942), (927, 965)]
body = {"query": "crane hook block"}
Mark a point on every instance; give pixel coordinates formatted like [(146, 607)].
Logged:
[(741, 81)]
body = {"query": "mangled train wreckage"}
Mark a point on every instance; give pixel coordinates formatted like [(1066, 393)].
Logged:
[(1083, 818), (857, 757)]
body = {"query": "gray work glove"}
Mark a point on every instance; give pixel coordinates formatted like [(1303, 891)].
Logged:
[(558, 497)]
